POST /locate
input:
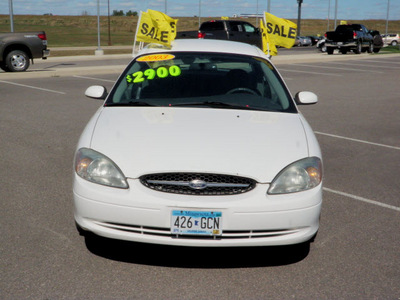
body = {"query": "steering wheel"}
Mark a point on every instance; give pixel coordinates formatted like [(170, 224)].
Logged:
[(243, 90)]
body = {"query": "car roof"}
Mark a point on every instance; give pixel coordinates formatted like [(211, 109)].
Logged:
[(204, 45)]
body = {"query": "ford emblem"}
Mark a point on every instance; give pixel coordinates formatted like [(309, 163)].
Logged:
[(198, 184)]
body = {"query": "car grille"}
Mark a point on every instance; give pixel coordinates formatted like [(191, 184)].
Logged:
[(198, 183)]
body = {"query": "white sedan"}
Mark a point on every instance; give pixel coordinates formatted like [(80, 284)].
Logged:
[(200, 144)]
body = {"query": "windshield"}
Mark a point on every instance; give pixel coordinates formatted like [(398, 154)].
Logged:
[(201, 79)]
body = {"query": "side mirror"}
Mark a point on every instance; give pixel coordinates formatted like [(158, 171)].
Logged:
[(96, 92), (306, 98)]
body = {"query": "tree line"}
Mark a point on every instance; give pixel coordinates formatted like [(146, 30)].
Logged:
[(115, 13), (120, 13)]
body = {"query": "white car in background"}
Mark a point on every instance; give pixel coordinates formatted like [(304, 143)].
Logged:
[(392, 39), (200, 144)]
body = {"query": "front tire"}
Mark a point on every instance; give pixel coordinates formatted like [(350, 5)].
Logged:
[(17, 61), (358, 49), (329, 50), (370, 48)]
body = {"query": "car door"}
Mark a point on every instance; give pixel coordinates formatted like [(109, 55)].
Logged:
[(244, 32), (367, 37)]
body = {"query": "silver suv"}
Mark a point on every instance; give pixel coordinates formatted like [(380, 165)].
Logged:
[(391, 39)]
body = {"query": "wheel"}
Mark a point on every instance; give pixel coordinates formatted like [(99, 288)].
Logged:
[(376, 50), (329, 50), (17, 61), (358, 49), (370, 48), (394, 43), (344, 51), (323, 48)]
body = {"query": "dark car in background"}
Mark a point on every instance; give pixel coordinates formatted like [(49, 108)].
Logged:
[(19, 48)]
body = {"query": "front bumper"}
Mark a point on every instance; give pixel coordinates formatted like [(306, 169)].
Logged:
[(143, 215)]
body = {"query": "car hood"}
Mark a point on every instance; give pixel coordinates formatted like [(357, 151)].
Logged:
[(245, 143)]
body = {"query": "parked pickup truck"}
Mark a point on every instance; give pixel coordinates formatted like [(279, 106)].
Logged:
[(239, 31), (351, 37), (18, 49)]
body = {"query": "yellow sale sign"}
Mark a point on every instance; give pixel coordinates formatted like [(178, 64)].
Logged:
[(156, 27), (281, 32)]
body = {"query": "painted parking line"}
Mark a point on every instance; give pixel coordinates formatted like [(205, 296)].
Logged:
[(358, 198), (339, 68), (307, 72), (358, 141), (32, 87), (358, 65), (93, 78), (392, 62), (392, 207)]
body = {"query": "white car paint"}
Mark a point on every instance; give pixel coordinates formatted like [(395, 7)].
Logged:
[(200, 140), (246, 143)]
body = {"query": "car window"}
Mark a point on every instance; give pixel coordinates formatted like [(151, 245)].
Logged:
[(249, 27), (209, 26), (204, 80), (235, 26)]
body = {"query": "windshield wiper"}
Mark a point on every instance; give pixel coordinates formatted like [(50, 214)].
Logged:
[(214, 104), (131, 103)]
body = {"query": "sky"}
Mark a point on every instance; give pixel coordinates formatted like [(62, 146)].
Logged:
[(310, 9)]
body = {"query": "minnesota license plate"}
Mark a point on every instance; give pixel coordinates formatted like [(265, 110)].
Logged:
[(196, 222)]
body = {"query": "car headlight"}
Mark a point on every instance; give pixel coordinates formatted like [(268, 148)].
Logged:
[(96, 167), (299, 176)]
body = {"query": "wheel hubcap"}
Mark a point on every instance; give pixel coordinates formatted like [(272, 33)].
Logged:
[(18, 61)]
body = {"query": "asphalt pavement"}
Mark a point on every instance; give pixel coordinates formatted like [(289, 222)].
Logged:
[(355, 255)]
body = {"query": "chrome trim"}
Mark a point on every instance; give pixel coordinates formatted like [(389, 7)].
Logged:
[(187, 183), (207, 184)]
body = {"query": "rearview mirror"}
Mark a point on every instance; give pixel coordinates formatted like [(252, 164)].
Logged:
[(306, 98), (96, 92)]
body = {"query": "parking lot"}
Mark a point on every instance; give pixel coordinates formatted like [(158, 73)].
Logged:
[(356, 254)]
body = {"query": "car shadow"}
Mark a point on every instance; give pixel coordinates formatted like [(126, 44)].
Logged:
[(59, 65), (196, 257)]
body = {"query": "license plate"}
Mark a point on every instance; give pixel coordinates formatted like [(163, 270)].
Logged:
[(184, 222), (340, 43)]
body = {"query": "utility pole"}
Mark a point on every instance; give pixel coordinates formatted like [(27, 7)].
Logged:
[(10, 6), (336, 1), (199, 13), (99, 51), (269, 6), (329, 14), (387, 17), (299, 17), (109, 25)]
